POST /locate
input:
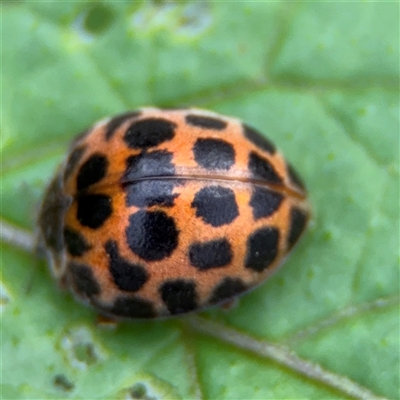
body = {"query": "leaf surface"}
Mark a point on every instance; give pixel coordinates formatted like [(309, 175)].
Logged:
[(321, 80)]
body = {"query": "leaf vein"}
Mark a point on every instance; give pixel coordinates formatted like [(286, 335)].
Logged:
[(283, 356), (341, 316), (191, 364)]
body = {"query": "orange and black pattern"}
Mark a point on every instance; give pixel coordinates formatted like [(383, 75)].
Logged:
[(163, 212)]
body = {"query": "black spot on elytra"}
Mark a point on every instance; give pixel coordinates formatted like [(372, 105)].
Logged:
[(214, 154), (117, 121), (262, 249), (75, 242), (258, 139), (93, 209), (132, 307), (295, 178), (151, 192), (264, 202), (93, 170), (144, 165), (228, 288), (83, 280), (216, 205), (298, 221), (127, 276), (152, 235), (149, 132), (262, 169), (179, 296), (148, 192), (73, 161), (212, 254), (202, 121)]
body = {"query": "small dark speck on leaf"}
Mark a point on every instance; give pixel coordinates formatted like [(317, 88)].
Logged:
[(139, 392), (62, 382), (86, 353), (95, 20), (98, 18)]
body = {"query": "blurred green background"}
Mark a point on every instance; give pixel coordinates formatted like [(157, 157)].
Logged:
[(322, 81)]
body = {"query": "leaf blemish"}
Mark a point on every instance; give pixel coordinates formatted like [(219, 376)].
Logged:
[(187, 20), (80, 349), (195, 19), (98, 18), (146, 386), (62, 382), (93, 21), (4, 297), (140, 391)]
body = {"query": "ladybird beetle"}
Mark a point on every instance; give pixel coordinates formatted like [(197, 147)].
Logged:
[(158, 212)]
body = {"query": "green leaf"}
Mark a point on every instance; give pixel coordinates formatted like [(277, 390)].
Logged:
[(322, 81)]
